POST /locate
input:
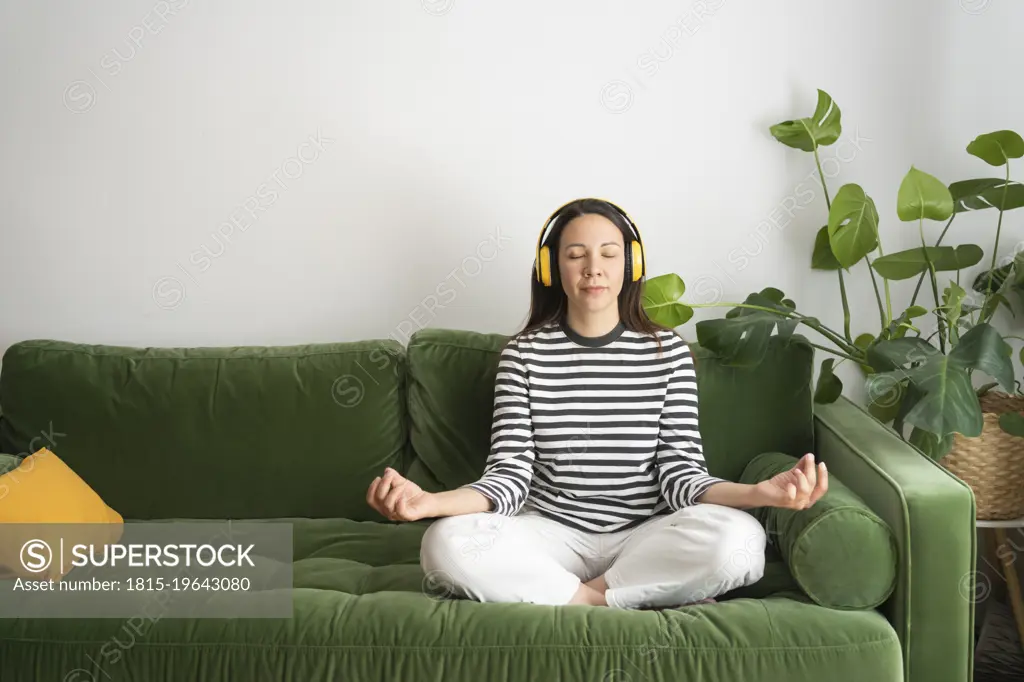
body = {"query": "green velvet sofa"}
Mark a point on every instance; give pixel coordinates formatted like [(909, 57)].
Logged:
[(297, 433)]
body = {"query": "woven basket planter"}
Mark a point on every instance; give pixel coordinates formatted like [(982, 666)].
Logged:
[(993, 463)]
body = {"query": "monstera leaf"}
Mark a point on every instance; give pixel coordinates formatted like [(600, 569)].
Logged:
[(977, 195), (852, 225), (889, 389), (822, 257), (741, 337), (934, 446), (885, 406), (912, 262), (923, 196), (660, 298), (829, 387), (1012, 423), (943, 400), (885, 402), (862, 342), (891, 354), (997, 148), (819, 130), (1014, 270), (1004, 279), (958, 258), (997, 278)]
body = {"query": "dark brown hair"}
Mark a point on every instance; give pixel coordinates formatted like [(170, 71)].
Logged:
[(550, 304)]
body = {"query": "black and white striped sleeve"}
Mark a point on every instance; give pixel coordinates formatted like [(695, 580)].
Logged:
[(682, 471), (509, 469)]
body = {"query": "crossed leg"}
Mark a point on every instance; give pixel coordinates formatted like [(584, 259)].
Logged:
[(697, 552), (494, 558)]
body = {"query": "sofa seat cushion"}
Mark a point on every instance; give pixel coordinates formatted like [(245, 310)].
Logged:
[(364, 611)]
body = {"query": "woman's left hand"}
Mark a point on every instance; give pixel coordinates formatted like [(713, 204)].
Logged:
[(798, 488)]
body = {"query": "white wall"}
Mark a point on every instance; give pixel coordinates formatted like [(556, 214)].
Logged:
[(447, 128)]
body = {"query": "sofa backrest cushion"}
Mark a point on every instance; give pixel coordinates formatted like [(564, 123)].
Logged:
[(450, 403), (229, 432), (743, 411)]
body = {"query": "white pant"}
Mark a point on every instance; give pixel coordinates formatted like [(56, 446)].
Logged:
[(697, 552)]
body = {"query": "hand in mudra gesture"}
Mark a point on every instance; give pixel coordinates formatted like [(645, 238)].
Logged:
[(398, 498), (798, 488)]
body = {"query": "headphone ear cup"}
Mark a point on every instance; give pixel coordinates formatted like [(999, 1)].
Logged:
[(637, 253), (544, 266)]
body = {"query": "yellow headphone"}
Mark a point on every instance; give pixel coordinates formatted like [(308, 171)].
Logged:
[(635, 262)]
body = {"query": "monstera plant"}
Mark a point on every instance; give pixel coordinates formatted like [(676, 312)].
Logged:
[(918, 375)]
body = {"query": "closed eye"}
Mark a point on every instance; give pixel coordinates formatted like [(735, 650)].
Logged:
[(574, 256)]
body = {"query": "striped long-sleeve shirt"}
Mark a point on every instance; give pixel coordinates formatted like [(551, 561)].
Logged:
[(599, 433)]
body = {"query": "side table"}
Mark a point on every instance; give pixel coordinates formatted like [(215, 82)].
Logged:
[(1007, 559)]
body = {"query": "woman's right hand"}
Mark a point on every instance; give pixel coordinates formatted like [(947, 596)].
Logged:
[(399, 499)]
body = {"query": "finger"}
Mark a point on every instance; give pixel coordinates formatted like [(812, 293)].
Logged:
[(392, 499), (803, 485), (822, 487), (393, 477), (371, 493), (803, 490), (385, 485), (791, 493), (808, 469)]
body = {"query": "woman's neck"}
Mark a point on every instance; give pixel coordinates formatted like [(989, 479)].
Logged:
[(592, 324)]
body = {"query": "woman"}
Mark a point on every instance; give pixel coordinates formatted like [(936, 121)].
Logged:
[(595, 490)]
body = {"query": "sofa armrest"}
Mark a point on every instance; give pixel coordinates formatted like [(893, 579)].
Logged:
[(932, 516)]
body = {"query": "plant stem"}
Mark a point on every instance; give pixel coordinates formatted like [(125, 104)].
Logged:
[(937, 242), (846, 306), (835, 352), (938, 315), (885, 282), (832, 336), (995, 250), (878, 297), (839, 272), (821, 176), (935, 286)]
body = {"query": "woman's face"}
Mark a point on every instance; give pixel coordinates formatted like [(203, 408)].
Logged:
[(591, 262)]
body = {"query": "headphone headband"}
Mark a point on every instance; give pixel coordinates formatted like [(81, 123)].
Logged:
[(629, 221)]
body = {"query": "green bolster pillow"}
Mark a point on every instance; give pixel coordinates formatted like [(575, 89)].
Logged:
[(839, 552)]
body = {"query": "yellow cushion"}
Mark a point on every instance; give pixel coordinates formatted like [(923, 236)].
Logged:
[(44, 490)]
